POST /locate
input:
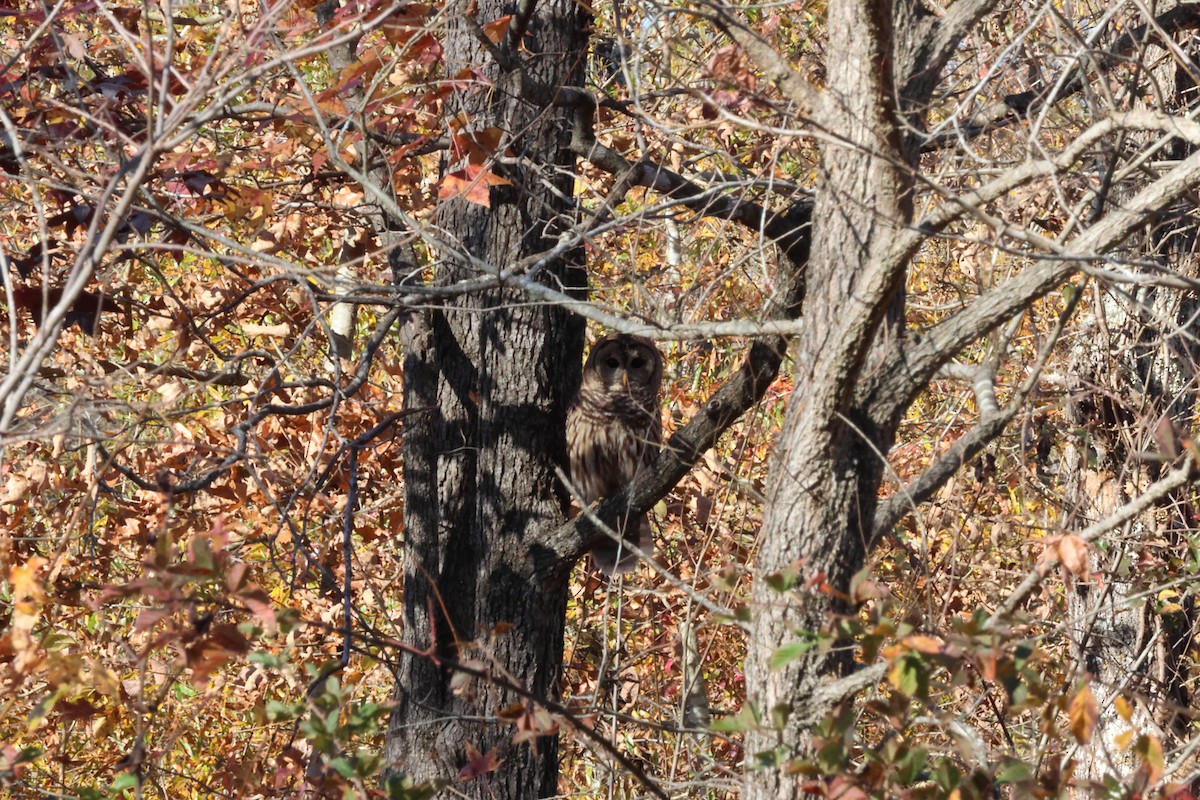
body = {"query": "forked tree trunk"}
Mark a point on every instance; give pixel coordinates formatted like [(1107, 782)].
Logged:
[(487, 381), (853, 386), (827, 470)]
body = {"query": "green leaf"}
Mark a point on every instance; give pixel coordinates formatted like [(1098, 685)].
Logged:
[(789, 653), (741, 722), (783, 580), (908, 674), (947, 775), (200, 554), (122, 782), (1014, 771), (832, 757), (277, 711), (770, 759), (401, 787), (268, 660), (184, 691), (733, 724), (344, 767), (911, 765), (780, 714), (57, 641)]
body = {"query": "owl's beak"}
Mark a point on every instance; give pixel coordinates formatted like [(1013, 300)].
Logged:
[(624, 380)]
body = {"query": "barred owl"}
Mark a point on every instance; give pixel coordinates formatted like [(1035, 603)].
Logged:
[(613, 430)]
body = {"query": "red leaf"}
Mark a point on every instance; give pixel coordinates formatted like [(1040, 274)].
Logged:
[(479, 764), (237, 576), (147, 618), (477, 146), (405, 23), (260, 605)]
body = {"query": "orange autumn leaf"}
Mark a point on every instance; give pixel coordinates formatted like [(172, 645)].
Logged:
[(479, 764), (495, 31), (1083, 715), (1072, 553)]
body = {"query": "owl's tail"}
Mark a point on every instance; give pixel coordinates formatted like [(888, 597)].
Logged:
[(615, 557)]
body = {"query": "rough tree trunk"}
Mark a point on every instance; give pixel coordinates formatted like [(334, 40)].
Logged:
[(487, 380), (827, 471), (853, 381)]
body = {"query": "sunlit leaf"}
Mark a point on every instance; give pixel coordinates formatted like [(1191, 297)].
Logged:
[(1083, 714)]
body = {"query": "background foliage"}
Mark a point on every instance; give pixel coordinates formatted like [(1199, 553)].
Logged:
[(200, 493)]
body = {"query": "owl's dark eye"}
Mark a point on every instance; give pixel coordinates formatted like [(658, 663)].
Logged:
[(613, 362), (637, 363)]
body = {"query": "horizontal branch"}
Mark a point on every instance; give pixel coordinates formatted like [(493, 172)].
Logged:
[(740, 393), (782, 227), (225, 377)]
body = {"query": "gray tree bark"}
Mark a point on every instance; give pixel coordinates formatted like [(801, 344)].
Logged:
[(857, 369), (487, 381), (827, 470)]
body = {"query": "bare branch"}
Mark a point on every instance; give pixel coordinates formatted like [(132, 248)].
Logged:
[(911, 367), (1177, 478), (1014, 107)]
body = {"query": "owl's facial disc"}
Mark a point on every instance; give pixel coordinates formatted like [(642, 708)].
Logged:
[(624, 366)]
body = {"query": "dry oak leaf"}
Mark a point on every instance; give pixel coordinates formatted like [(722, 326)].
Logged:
[(473, 183), (1070, 551)]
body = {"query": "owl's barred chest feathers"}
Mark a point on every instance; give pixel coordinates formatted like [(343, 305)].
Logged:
[(613, 424), (598, 404), (609, 443)]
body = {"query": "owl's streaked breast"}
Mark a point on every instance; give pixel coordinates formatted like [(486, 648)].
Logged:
[(606, 452)]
